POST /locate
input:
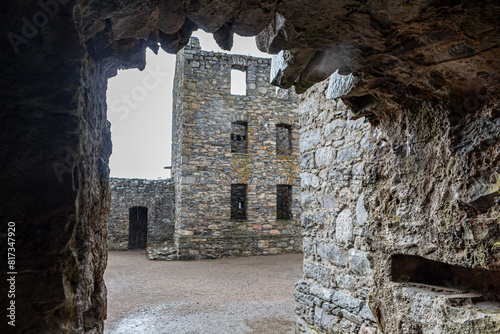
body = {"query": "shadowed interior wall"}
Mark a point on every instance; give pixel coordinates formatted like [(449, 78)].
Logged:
[(54, 146)]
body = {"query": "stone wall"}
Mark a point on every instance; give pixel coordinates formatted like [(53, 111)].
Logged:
[(159, 199), (401, 226), (204, 168), (332, 297)]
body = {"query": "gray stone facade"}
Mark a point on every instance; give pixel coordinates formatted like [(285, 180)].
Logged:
[(207, 120), (157, 196)]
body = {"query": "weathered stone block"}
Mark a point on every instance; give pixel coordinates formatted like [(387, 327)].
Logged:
[(366, 313), (324, 156), (321, 292), (359, 262), (309, 180), (352, 317), (340, 85), (337, 256), (308, 140), (328, 201), (344, 226), (346, 302), (348, 154)]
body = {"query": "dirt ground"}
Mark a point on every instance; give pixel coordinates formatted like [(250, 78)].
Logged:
[(224, 296)]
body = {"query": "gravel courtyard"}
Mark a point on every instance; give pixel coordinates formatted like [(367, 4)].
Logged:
[(224, 296)]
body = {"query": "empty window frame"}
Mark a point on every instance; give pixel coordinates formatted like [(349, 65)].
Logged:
[(283, 139), (238, 81), (283, 201), (239, 201), (239, 135)]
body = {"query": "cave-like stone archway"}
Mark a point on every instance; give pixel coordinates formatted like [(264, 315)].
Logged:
[(57, 55)]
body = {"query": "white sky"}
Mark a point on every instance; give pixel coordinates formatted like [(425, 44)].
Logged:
[(140, 111)]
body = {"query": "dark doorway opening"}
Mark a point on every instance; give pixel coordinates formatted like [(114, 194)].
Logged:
[(138, 227)]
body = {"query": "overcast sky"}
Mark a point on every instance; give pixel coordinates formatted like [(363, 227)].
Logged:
[(140, 111)]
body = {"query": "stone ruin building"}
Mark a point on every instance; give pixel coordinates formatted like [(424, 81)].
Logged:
[(399, 140), (234, 158), (235, 168), (141, 213)]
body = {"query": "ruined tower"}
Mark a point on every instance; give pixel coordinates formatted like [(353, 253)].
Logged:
[(234, 158)]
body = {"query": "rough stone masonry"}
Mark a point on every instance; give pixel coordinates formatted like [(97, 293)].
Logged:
[(429, 75), (401, 231), (226, 166), (157, 197)]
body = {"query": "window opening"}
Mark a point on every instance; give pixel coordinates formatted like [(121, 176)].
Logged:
[(283, 201), (238, 81), (239, 201), (239, 137), (283, 139)]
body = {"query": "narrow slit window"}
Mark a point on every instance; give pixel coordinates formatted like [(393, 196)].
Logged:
[(239, 201), (283, 139), (238, 81), (239, 135), (283, 201)]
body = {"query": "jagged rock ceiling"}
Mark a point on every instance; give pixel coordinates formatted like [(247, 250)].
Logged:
[(402, 50)]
